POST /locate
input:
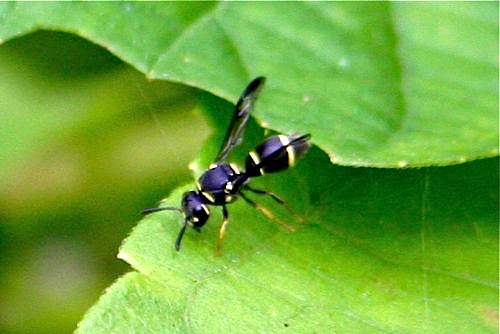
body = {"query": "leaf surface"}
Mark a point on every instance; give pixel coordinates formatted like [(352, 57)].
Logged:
[(380, 250), (382, 84), (405, 252)]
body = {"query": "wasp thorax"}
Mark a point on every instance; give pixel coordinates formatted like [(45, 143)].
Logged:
[(218, 183)]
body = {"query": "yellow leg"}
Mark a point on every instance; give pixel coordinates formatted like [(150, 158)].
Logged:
[(278, 200), (222, 230), (267, 213)]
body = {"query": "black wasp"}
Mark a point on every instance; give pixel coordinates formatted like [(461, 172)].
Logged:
[(224, 182)]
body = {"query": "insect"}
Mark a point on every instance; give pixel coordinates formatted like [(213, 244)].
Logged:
[(224, 182)]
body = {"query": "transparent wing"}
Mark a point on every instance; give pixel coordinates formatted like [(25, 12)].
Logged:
[(242, 111)]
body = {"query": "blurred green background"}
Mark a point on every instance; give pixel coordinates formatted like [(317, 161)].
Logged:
[(86, 143)]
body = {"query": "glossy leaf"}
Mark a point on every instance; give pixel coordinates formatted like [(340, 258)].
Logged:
[(381, 84), (394, 251), (380, 250)]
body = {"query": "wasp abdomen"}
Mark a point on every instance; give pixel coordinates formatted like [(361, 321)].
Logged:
[(275, 154)]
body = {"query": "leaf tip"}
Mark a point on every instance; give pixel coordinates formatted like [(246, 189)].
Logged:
[(333, 157), (127, 258)]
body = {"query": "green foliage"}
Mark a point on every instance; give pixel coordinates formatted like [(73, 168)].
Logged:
[(381, 250), (378, 85)]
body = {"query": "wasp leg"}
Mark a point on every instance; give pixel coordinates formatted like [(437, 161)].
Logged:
[(222, 230), (180, 235), (267, 213), (278, 200)]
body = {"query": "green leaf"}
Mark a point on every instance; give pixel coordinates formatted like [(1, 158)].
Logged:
[(145, 296), (380, 84), (411, 251)]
